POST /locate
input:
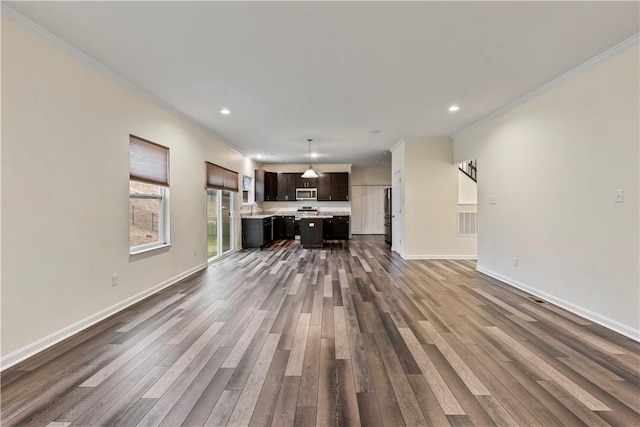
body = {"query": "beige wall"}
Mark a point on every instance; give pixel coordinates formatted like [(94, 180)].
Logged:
[(431, 202), (552, 165), (65, 168), (378, 175)]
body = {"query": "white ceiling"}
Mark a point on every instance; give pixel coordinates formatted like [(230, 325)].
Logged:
[(335, 71)]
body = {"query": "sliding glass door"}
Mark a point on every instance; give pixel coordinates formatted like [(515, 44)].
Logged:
[(220, 222), (227, 219)]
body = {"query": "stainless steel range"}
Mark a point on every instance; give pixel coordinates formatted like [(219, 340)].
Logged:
[(306, 212)]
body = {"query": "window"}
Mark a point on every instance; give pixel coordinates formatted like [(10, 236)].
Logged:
[(246, 188), (148, 195)]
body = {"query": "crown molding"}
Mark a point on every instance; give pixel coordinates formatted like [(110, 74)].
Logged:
[(30, 26), (397, 144), (580, 69)]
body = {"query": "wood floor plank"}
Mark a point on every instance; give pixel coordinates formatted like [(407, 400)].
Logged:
[(208, 398), (347, 412), (181, 364), (308, 394), (327, 393), (149, 312), (296, 356), (266, 404), (350, 334), (245, 339), (104, 373), (243, 410), (466, 374), (123, 403), (497, 412), (409, 407), (165, 404), (369, 411), (222, 411), (203, 383), (285, 411), (443, 394), (591, 402), (340, 331), (428, 403)]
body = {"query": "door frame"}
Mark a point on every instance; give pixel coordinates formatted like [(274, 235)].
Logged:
[(397, 213)]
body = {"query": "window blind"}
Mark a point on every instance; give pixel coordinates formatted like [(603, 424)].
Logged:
[(221, 178), (148, 162)]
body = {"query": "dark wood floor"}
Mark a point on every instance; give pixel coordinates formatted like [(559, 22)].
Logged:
[(348, 335)]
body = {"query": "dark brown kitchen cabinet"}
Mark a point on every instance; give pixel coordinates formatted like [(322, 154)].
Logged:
[(333, 187), (340, 227), (324, 187), (327, 228), (266, 186), (270, 186), (283, 227), (259, 185), (289, 227), (287, 187), (340, 186), (256, 232), (306, 182)]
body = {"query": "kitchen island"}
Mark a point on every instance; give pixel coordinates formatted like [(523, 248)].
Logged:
[(259, 230)]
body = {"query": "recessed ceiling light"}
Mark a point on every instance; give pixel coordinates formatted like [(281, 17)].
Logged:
[(225, 111), (454, 108), (314, 155), (258, 156)]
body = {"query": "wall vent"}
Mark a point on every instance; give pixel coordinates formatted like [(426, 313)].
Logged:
[(467, 223)]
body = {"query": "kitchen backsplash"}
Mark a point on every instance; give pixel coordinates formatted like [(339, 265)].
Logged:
[(292, 206)]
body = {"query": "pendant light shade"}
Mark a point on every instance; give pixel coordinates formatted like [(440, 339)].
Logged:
[(310, 173)]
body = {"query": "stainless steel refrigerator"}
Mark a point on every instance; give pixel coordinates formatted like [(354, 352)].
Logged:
[(387, 215)]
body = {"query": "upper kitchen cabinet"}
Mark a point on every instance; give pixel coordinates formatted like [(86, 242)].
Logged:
[(266, 186), (287, 187), (258, 182), (324, 187), (306, 182), (333, 187), (340, 186)]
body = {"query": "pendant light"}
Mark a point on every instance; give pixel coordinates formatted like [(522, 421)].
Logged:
[(310, 173)]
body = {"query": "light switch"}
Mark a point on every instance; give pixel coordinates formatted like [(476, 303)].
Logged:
[(493, 200), (619, 196)]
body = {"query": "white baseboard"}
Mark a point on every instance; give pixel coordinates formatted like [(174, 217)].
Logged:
[(580, 311), (56, 337), (415, 257)]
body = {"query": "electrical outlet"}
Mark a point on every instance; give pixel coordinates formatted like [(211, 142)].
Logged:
[(195, 251), (114, 280), (515, 262)]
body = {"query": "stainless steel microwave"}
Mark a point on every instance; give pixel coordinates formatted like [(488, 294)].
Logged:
[(306, 194)]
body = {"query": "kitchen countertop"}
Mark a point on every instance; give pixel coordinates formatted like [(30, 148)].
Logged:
[(296, 214), (258, 216)]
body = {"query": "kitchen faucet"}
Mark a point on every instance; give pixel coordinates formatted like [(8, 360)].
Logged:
[(252, 205)]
